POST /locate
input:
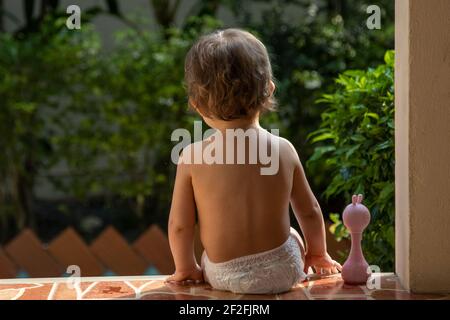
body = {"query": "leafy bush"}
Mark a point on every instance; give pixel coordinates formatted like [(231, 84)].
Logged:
[(356, 148), (106, 115), (36, 75)]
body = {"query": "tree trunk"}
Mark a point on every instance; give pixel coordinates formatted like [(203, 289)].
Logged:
[(165, 12), (1, 16), (20, 207)]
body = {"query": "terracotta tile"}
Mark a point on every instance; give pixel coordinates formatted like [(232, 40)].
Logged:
[(172, 296), (157, 289), (323, 288), (29, 291), (332, 286), (37, 293), (344, 297), (203, 290), (219, 295), (64, 292), (297, 293), (110, 290), (140, 283), (254, 297), (403, 295), (390, 281), (15, 291), (9, 294), (13, 286)]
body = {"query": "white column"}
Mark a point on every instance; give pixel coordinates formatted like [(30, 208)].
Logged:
[(422, 138)]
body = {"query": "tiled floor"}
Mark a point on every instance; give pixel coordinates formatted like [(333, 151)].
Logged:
[(386, 287)]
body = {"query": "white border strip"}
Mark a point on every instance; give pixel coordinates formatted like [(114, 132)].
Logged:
[(83, 279)]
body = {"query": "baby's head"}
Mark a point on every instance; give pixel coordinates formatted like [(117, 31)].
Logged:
[(228, 76)]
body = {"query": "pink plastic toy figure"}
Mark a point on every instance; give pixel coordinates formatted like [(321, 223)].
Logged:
[(356, 217)]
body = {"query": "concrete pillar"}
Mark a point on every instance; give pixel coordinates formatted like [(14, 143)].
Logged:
[(422, 138)]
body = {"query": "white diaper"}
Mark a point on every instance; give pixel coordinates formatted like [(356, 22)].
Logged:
[(272, 271)]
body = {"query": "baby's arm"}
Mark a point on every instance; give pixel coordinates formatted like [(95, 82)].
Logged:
[(182, 228), (309, 215)]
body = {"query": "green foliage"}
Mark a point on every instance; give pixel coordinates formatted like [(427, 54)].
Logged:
[(35, 76), (356, 148), (106, 114)]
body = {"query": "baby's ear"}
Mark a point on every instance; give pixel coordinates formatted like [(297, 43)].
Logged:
[(271, 87), (192, 104)]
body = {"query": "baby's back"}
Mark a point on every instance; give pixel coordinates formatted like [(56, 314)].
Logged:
[(240, 210)]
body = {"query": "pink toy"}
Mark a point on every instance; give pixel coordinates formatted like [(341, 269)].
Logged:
[(356, 218)]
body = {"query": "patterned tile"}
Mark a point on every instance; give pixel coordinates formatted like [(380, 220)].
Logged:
[(154, 288)]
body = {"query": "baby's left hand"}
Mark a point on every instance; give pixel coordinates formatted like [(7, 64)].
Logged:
[(323, 264), (186, 277)]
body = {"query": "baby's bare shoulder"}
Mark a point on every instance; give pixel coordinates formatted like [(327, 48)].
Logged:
[(287, 151), (187, 154)]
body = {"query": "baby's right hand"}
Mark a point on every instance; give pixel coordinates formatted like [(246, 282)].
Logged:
[(192, 276), (322, 264)]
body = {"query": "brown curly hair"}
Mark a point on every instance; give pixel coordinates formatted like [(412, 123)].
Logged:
[(228, 75)]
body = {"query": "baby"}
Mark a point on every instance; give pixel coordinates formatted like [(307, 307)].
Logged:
[(242, 214)]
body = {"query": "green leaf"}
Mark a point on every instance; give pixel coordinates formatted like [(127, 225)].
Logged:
[(387, 191), (372, 115), (384, 145), (27, 107), (320, 151), (389, 58), (352, 150), (324, 136)]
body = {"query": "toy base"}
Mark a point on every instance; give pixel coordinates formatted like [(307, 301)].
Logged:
[(355, 283)]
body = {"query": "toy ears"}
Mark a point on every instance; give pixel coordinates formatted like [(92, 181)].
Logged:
[(357, 198)]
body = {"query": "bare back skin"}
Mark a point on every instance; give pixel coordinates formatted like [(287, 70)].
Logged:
[(240, 211)]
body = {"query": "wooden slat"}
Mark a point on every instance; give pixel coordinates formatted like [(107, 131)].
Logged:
[(153, 246), (7, 267), (69, 249), (28, 253), (115, 253)]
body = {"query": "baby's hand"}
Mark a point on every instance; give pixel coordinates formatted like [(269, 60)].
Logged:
[(322, 264), (186, 277)]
